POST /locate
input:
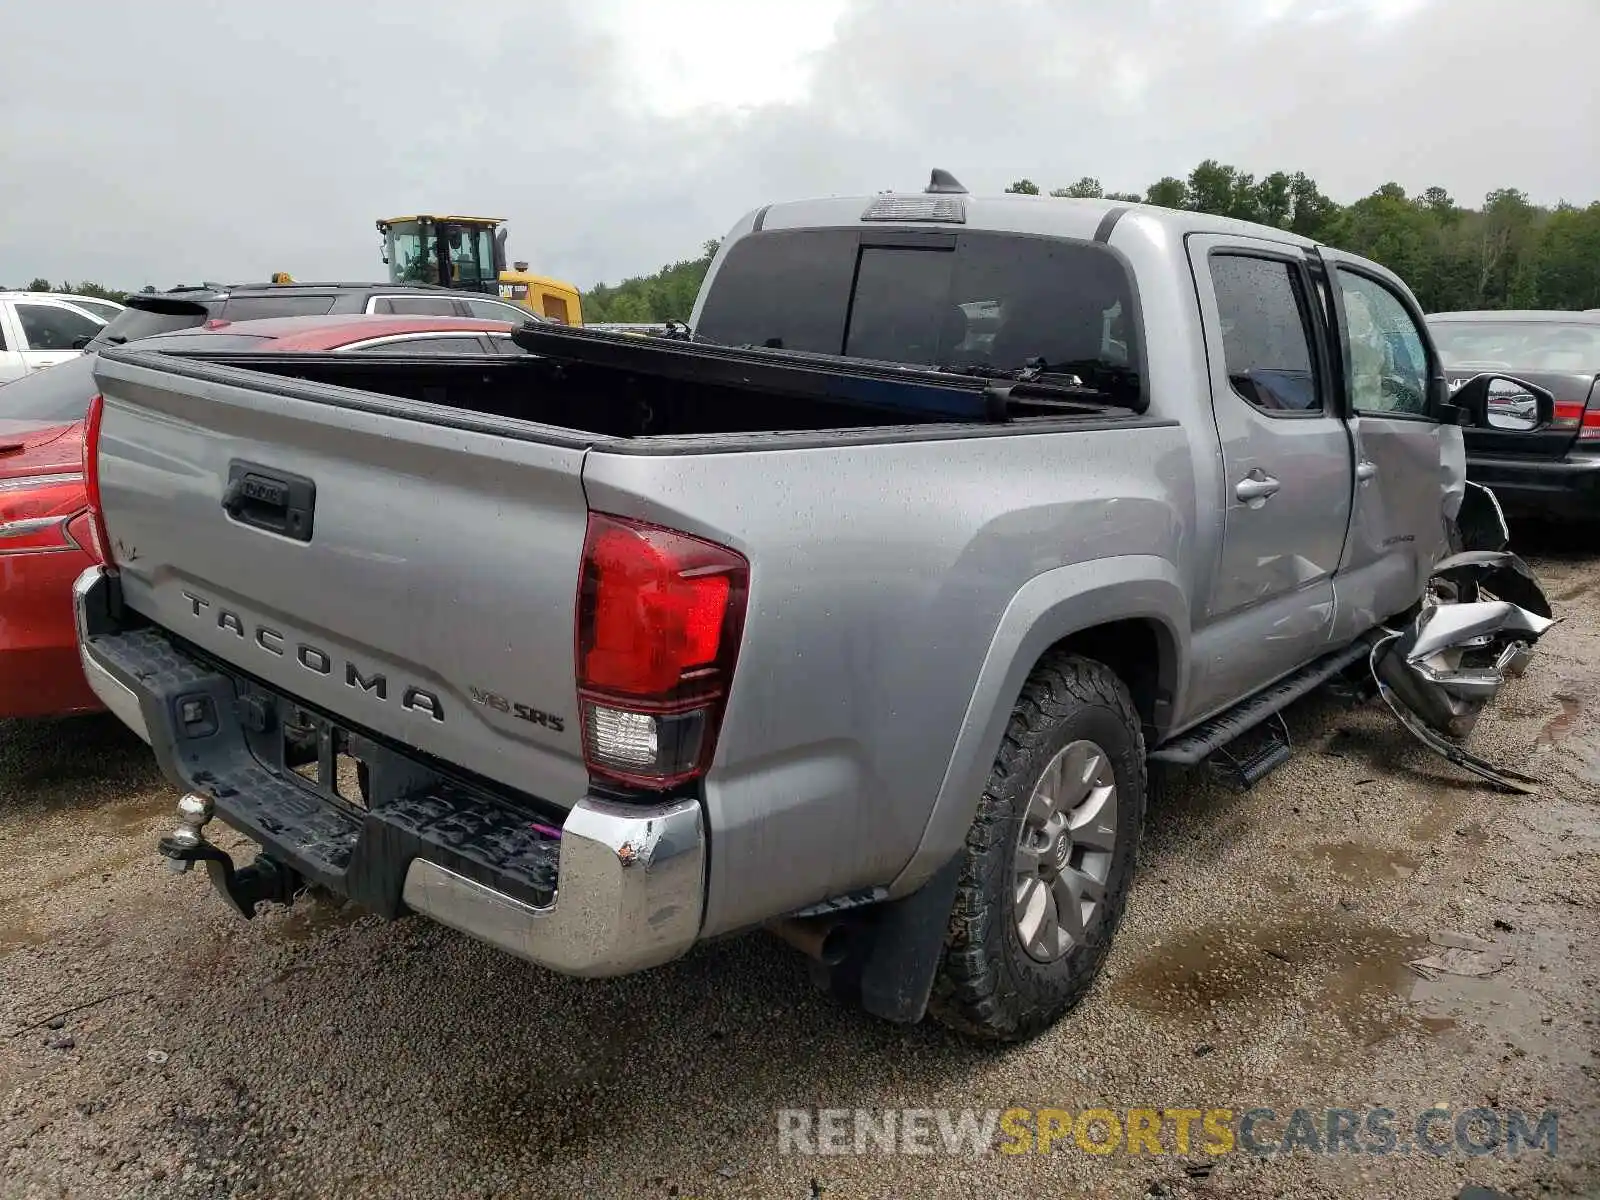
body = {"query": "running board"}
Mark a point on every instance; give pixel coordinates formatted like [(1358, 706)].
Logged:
[(1210, 736)]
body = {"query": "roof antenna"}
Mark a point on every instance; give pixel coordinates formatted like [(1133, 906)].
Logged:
[(943, 181)]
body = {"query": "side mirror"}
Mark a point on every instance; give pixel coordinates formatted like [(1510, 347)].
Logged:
[(1503, 402), (78, 343)]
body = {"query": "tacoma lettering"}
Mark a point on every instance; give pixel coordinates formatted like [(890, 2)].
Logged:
[(318, 661)]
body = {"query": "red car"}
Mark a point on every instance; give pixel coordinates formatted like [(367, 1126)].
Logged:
[(44, 541)]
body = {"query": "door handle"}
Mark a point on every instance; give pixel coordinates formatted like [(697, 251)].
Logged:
[(1365, 470), (1255, 487)]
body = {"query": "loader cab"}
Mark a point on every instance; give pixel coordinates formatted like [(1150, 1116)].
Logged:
[(467, 253)]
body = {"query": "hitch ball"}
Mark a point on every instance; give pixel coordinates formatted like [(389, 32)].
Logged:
[(194, 810)]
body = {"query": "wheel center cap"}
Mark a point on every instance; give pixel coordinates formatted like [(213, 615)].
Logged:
[(1062, 850)]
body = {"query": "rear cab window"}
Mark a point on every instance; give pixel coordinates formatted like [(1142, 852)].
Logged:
[(974, 300)]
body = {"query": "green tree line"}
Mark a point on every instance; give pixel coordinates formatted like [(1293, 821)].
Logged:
[(93, 290), (1508, 253), (668, 295)]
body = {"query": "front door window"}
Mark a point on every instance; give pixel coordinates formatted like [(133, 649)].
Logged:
[(1384, 357)]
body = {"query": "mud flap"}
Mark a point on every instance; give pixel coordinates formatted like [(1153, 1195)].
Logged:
[(900, 945)]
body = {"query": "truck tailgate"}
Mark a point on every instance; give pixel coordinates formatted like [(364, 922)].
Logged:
[(425, 592)]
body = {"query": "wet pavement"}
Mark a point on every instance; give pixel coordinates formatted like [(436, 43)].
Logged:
[(1270, 959)]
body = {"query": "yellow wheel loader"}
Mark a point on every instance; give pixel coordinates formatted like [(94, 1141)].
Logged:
[(469, 253)]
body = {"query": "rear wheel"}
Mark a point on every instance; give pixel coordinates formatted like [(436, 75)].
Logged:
[(1049, 858)]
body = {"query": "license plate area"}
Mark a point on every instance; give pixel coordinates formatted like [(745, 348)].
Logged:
[(325, 756), (316, 753)]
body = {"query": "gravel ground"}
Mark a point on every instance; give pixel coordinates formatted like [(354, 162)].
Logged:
[(320, 1052)]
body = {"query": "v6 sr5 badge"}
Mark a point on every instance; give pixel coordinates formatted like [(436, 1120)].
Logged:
[(523, 712)]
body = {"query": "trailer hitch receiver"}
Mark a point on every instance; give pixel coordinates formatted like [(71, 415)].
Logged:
[(243, 887)]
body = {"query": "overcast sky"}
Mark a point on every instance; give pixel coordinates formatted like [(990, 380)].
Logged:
[(177, 141)]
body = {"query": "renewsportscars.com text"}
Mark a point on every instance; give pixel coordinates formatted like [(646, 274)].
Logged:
[(1261, 1131)]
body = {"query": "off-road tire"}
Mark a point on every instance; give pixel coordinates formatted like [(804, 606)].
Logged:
[(987, 985)]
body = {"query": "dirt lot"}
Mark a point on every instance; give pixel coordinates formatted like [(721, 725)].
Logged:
[(1263, 964)]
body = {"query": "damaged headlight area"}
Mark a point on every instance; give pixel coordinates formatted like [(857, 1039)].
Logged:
[(1476, 628)]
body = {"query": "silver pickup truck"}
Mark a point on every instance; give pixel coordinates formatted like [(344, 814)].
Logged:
[(855, 613)]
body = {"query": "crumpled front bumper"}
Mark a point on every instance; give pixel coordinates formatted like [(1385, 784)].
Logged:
[(621, 889)]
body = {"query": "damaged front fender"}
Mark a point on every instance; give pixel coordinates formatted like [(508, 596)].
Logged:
[(1453, 626), (1498, 572), (1484, 613), (1502, 777)]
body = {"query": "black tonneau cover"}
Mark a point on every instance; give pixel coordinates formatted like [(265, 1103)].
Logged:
[(916, 389)]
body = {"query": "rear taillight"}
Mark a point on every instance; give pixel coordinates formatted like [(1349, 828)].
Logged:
[(660, 616), (1571, 414), (35, 511), (100, 543)]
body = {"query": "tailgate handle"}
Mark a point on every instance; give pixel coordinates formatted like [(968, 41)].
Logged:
[(276, 501)]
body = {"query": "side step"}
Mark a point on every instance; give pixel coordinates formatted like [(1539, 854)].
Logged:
[(1247, 761), (1207, 738)]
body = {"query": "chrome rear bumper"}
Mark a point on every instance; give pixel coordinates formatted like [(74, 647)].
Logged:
[(630, 894), (113, 693)]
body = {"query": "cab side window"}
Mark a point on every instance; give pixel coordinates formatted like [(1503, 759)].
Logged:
[(255, 308), (493, 310), (1385, 359), (1266, 333), (429, 306)]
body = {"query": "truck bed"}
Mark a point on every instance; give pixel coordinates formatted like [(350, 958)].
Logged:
[(621, 388)]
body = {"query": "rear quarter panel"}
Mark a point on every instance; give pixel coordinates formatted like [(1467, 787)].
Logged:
[(880, 576)]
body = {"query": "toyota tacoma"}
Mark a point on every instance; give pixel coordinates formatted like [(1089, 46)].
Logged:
[(855, 609)]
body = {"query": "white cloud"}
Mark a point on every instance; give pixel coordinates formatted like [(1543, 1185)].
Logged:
[(193, 139), (675, 58)]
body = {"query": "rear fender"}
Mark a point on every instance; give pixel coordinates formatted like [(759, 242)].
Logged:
[(1048, 609)]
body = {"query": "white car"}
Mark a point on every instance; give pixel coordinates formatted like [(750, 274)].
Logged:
[(40, 329)]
